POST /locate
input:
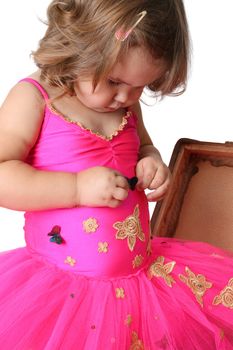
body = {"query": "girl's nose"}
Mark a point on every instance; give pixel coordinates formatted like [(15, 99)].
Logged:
[(121, 97)]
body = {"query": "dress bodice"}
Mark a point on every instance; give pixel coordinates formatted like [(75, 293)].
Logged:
[(90, 241)]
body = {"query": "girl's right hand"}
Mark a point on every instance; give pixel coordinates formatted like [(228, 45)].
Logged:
[(101, 187)]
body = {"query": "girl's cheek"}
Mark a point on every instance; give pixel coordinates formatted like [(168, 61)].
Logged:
[(134, 96), (137, 91), (104, 100)]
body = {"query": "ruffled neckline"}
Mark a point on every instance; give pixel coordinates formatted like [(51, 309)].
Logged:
[(69, 120)]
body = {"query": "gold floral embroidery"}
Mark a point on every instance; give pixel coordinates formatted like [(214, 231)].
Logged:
[(128, 320), (226, 296), (197, 284), (69, 260), (136, 344), (130, 228), (102, 247), (120, 293), (159, 269), (137, 261), (90, 225)]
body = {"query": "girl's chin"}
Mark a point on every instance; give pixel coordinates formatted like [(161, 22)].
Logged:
[(112, 109), (109, 109)]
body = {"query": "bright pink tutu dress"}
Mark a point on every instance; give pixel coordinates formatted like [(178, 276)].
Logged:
[(93, 279)]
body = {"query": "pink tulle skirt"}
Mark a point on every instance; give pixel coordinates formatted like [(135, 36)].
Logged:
[(183, 299)]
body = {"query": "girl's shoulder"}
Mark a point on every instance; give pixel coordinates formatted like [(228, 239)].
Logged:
[(21, 117), (33, 84), (47, 91), (25, 97)]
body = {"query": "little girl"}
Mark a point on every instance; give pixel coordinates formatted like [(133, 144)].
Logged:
[(75, 155)]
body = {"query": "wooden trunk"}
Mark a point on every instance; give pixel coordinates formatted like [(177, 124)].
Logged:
[(199, 203)]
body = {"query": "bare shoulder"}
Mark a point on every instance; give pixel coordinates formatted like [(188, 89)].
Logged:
[(52, 91), (21, 116)]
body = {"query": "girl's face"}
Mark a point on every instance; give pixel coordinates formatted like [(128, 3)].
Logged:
[(124, 85)]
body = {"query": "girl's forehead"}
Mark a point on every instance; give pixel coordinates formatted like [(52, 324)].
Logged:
[(138, 68)]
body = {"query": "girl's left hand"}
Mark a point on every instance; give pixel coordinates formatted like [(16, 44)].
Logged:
[(153, 174)]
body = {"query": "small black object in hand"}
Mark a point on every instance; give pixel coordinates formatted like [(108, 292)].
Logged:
[(132, 182)]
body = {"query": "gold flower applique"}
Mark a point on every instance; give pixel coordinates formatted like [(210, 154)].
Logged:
[(197, 284), (137, 261), (128, 320), (159, 269), (226, 296), (90, 225), (103, 247), (136, 344), (130, 228), (69, 260), (120, 293)]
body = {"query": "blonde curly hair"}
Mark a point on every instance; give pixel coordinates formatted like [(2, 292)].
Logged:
[(80, 40)]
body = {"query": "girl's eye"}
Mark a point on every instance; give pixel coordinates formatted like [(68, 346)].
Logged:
[(112, 82)]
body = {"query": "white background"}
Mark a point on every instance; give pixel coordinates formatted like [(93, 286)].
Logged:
[(204, 112)]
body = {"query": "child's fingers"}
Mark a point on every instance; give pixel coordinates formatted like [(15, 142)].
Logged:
[(114, 203), (145, 179), (159, 192), (120, 193), (139, 174), (156, 183), (122, 182), (159, 179)]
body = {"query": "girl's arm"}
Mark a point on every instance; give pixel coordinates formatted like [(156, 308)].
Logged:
[(146, 144), (21, 186), (151, 171)]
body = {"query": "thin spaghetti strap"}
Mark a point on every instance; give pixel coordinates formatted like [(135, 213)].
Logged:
[(40, 88)]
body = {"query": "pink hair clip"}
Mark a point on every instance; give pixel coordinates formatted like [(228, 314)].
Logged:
[(121, 35)]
